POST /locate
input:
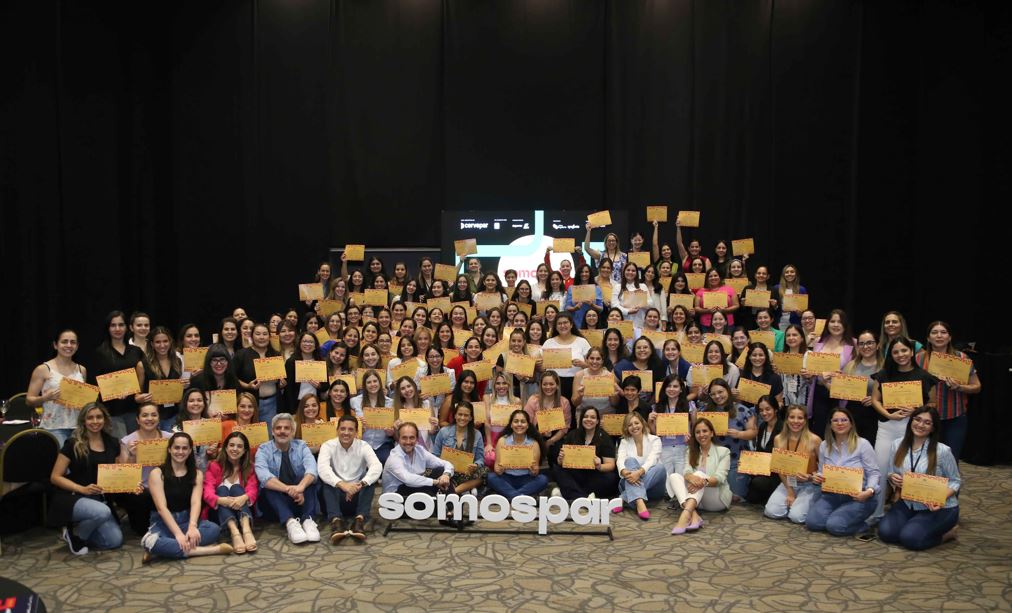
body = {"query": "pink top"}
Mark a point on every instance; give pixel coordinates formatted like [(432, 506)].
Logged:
[(531, 408), (706, 318), (212, 479)]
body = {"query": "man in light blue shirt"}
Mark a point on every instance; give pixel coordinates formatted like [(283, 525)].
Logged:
[(405, 468), (287, 473)]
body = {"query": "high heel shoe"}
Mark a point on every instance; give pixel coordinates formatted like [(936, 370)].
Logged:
[(644, 515), (237, 543), (249, 541)]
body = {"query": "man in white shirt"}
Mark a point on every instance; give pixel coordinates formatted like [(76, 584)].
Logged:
[(405, 470), (349, 470)]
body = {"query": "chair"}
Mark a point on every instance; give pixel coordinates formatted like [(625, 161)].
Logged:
[(28, 457), (17, 407)]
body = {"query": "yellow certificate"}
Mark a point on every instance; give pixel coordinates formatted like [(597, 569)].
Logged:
[(545, 303), (460, 337), (461, 460), (714, 300), (658, 213), (646, 378), (446, 272), (820, 325), (310, 291), (349, 380), (757, 298), (848, 387), (525, 307), (665, 283), (788, 363), (943, 366), (656, 337), (376, 297), (420, 417), (740, 362), (842, 480), (269, 369), (786, 462), (550, 420), (203, 431), (672, 424), (433, 385), (356, 298), (766, 337), (563, 245), (193, 358), (166, 391), (751, 391), (606, 293), (329, 307), (736, 283), (75, 394), (702, 374), (499, 414), (717, 418), (817, 362), (515, 456), (449, 354), (465, 246), (317, 434), (119, 478), (256, 433), (119, 384), (743, 246), (902, 394), (639, 258), (925, 489), (310, 370), (635, 300), (443, 304), (612, 423), (755, 463), (688, 219), (584, 293), (482, 369), (599, 219), (796, 302), (686, 301), (594, 337), (696, 280), (519, 364), (394, 289), (657, 391), (693, 352), (723, 339), (484, 301), (354, 253), (625, 327), (405, 369), (557, 358), (223, 401), (378, 418), (151, 453), (600, 386), (580, 457), (275, 342)]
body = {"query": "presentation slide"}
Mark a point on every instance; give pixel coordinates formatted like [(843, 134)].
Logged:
[(518, 239)]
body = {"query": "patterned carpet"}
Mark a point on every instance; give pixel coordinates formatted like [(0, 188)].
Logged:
[(738, 562)]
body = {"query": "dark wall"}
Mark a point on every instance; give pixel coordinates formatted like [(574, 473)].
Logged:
[(186, 158)]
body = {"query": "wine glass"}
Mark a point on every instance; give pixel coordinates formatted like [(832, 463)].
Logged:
[(38, 415), (3, 408)]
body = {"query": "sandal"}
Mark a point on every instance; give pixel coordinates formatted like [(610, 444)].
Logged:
[(251, 543), (237, 543)]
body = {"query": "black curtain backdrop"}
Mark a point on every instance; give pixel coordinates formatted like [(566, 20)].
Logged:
[(186, 158)]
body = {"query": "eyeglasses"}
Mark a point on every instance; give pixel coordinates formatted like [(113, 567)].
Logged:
[(219, 360), (867, 344)]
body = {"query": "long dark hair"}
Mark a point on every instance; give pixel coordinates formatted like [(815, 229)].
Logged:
[(682, 404), (458, 393), (190, 478), (581, 432), (890, 366), (245, 466), (469, 440), (932, 442)]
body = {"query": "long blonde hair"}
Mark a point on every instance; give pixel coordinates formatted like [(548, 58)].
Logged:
[(807, 438), (80, 434)]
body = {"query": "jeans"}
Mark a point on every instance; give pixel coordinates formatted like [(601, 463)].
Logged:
[(839, 514), (383, 451), (268, 408), (338, 504), (650, 487), (805, 494), (738, 482), (916, 530), (953, 434), (673, 459), (160, 541), (97, 525), (512, 486), (61, 434), (225, 513), (888, 431), (284, 506), (707, 499)]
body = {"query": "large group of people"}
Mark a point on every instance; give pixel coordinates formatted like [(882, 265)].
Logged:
[(487, 384)]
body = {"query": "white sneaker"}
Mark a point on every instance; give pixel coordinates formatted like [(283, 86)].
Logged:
[(591, 496), (295, 532), (312, 533), (556, 491)]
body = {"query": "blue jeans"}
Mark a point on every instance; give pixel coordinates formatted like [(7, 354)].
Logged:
[(267, 408), (512, 486), (673, 459), (225, 513), (338, 504), (805, 494), (383, 451), (650, 487), (839, 514), (97, 525), (285, 508), (953, 434), (160, 541), (916, 530), (738, 482)]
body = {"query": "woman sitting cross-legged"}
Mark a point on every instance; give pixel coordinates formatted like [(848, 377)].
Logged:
[(704, 484), (513, 482), (176, 528), (231, 487), (641, 472), (599, 481)]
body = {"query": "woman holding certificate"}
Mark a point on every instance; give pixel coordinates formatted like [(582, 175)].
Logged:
[(866, 362), (44, 387), (836, 339), (307, 351), (703, 484), (231, 488), (790, 284), (583, 295), (405, 396), (926, 516), (471, 353), (596, 478), (513, 475), (193, 407), (741, 428), (951, 394), (769, 425), (267, 391), (612, 252), (760, 370), (177, 531), (795, 385), (633, 297), (216, 374), (796, 493), (673, 400), (372, 397), (309, 412), (549, 400), (114, 355), (595, 368), (706, 305), (161, 363), (566, 336), (641, 472), (461, 435), (78, 498), (139, 507), (713, 355), (644, 357), (849, 476)]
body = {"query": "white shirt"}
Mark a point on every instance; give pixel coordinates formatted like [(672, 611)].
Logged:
[(579, 348), (356, 463), (651, 451)]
